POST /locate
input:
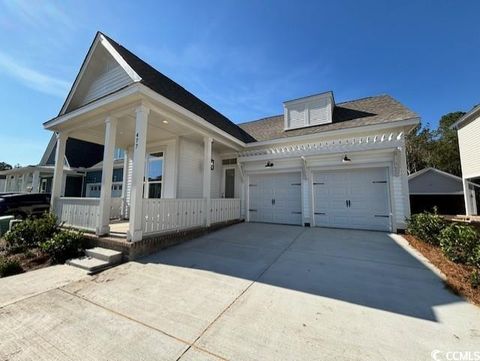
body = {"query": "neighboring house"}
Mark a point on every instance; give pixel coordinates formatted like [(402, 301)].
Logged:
[(431, 187), (93, 179), (468, 129), (38, 178), (3, 183), (320, 163)]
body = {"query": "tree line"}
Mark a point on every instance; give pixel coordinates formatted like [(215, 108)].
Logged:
[(437, 148)]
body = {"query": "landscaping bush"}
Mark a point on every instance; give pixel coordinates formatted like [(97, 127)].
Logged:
[(426, 227), (9, 267), (31, 233), (64, 245), (460, 243), (475, 279)]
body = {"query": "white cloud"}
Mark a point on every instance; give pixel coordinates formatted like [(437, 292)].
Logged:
[(38, 13), (33, 78)]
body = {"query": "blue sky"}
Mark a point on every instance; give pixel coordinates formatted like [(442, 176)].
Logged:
[(242, 57)]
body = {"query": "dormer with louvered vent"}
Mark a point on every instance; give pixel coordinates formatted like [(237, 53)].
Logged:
[(309, 111)]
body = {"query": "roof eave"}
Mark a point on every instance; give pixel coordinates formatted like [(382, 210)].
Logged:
[(410, 123), (472, 113)]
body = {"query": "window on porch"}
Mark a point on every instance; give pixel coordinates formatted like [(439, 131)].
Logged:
[(154, 179)]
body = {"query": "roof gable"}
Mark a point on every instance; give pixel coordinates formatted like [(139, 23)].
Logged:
[(434, 181), (103, 72), (78, 153), (166, 87)]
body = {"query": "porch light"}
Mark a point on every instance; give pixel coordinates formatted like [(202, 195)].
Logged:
[(212, 164), (165, 121), (269, 165), (346, 159)]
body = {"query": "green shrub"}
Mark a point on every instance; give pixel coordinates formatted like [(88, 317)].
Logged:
[(426, 227), (9, 267), (31, 233), (460, 243), (475, 279), (64, 245)]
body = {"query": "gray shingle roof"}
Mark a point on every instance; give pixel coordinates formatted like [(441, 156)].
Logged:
[(366, 111)]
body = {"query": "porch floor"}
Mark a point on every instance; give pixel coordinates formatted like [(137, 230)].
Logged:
[(119, 227)]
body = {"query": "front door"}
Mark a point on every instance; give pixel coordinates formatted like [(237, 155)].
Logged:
[(230, 183)]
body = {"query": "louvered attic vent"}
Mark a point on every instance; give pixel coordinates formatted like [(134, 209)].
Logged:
[(309, 111)]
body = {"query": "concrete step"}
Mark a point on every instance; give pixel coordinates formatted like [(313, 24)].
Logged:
[(92, 265), (104, 254)]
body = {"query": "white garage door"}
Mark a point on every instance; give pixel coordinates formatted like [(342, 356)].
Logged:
[(275, 198), (352, 199)]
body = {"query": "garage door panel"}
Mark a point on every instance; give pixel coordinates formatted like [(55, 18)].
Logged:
[(276, 198), (367, 193)]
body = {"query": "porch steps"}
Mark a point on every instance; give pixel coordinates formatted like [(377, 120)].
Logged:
[(97, 259)]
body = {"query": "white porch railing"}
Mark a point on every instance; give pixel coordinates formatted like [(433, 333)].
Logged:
[(159, 215), (78, 212), (163, 215), (225, 209), (116, 208)]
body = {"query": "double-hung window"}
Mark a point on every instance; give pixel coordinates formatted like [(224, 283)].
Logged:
[(154, 176)]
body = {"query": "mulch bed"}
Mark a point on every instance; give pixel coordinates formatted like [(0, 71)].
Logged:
[(458, 275), (29, 260)]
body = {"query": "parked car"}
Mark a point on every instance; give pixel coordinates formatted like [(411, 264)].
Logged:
[(24, 205)]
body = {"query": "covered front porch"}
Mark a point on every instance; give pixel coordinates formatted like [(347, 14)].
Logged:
[(174, 174)]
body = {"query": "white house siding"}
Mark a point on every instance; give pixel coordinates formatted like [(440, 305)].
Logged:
[(398, 201), (468, 140), (102, 76), (217, 176), (190, 169)]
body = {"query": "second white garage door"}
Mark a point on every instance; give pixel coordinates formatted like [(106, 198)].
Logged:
[(352, 199), (275, 198)]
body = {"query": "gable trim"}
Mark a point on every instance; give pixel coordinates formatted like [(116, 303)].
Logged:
[(48, 150), (99, 39), (438, 171)]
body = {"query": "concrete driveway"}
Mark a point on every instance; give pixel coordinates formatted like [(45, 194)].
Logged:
[(249, 292)]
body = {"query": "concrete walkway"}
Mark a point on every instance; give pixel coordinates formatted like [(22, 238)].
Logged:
[(249, 292)]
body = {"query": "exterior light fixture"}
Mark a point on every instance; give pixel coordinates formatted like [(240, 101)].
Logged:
[(269, 165), (346, 159), (165, 121), (212, 164)]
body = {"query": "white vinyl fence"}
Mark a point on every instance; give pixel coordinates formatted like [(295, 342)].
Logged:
[(78, 212)]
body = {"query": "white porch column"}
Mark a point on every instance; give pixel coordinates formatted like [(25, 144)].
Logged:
[(36, 182), (58, 170), (470, 200), (139, 152), (466, 196), (126, 156), (107, 174), (207, 177)]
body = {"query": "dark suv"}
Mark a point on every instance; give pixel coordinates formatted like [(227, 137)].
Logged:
[(24, 205)]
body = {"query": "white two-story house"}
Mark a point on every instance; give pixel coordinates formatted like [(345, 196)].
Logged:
[(468, 130), (319, 163)]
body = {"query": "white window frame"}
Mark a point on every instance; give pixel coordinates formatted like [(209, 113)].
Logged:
[(146, 182)]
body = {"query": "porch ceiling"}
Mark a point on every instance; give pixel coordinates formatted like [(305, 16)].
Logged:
[(160, 128)]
